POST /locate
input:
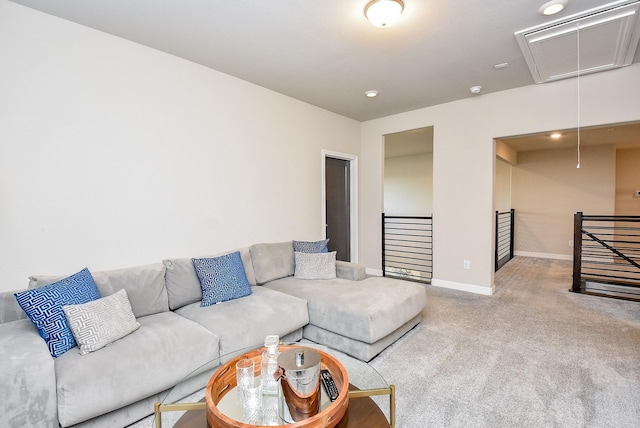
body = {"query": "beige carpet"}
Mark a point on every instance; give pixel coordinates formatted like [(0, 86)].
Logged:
[(532, 355)]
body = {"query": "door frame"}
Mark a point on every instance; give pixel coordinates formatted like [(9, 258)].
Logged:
[(353, 200)]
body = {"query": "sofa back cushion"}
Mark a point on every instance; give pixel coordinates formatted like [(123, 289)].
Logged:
[(145, 286), (10, 310), (272, 261), (183, 285)]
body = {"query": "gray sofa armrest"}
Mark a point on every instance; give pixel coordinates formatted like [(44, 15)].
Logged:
[(350, 271), (27, 378)]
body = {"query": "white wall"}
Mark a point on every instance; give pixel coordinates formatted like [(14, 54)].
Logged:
[(548, 190), (463, 173), (113, 154), (408, 184), (502, 187), (627, 181)]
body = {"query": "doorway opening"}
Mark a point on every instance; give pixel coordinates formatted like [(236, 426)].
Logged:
[(504, 222), (407, 218), (547, 189), (408, 172)]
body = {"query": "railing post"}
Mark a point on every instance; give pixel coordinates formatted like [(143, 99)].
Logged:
[(384, 273), (577, 253), (513, 235), (431, 249), (495, 254)]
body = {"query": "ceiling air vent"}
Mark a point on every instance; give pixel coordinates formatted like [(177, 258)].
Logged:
[(607, 36)]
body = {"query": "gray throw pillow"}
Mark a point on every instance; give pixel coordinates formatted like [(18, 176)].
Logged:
[(315, 265), (97, 323)]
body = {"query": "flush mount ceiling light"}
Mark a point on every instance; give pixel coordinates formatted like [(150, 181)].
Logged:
[(371, 93), (383, 13), (552, 7)]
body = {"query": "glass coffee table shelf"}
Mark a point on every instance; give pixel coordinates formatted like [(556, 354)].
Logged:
[(365, 386)]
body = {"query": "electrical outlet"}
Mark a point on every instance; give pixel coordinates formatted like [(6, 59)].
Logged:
[(467, 264)]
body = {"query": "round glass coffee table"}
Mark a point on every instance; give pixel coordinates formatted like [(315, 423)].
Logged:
[(366, 392)]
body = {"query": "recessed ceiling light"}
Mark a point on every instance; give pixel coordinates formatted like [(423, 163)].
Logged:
[(475, 89), (552, 7), (372, 93), (556, 135), (383, 13)]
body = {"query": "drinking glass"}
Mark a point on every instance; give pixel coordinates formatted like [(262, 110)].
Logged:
[(245, 372), (252, 402)]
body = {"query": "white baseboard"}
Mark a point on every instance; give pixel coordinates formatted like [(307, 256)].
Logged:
[(471, 288), (543, 255), (375, 272)]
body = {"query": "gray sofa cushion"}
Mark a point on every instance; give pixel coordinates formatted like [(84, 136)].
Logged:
[(272, 261), (246, 321), (183, 285), (350, 271), (144, 284), (366, 310), (355, 348), (164, 350)]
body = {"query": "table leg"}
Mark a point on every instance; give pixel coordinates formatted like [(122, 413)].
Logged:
[(390, 391)]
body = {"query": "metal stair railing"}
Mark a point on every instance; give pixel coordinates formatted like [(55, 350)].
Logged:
[(505, 237), (407, 247), (606, 255)]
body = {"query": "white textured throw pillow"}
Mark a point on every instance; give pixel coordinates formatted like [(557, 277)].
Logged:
[(315, 265), (96, 324)]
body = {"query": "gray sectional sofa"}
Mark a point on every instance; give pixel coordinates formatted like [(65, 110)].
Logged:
[(178, 338)]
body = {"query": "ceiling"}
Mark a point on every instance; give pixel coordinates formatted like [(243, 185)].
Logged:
[(326, 53), (624, 136)]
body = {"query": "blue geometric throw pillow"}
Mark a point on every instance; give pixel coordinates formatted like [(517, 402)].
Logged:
[(222, 278), (311, 246), (43, 306)]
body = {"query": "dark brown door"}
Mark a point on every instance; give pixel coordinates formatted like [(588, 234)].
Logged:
[(338, 207)]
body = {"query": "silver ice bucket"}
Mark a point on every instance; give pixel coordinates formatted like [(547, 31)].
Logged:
[(299, 377)]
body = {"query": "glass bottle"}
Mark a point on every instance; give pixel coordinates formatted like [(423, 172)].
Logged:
[(270, 364)]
